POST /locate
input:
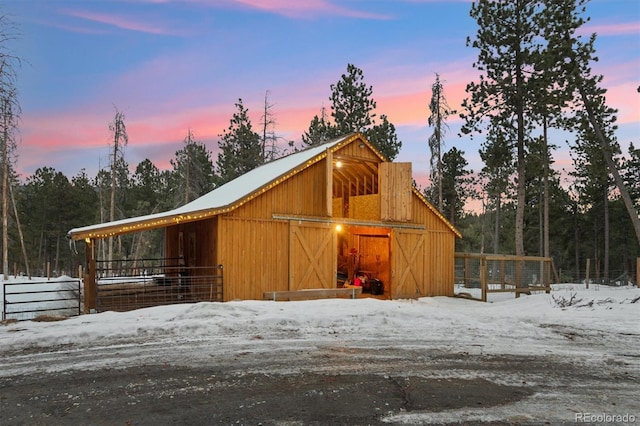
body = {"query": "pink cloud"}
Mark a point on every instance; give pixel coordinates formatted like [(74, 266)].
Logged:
[(616, 29), (307, 8), (625, 98), (119, 22)]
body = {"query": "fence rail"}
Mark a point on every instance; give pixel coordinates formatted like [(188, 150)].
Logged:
[(29, 299), (477, 275), (156, 282)]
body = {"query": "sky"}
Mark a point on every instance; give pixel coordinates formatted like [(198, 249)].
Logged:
[(177, 65), (595, 339)]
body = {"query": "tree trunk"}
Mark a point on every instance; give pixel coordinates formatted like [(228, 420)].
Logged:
[(602, 140), (56, 263), (605, 147), (5, 200), (521, 189), (521, 171), (540, 229), (24, 250), (112, 206), (496, 230), (605, 271), (576, 240), (546, 252), (438, 131)]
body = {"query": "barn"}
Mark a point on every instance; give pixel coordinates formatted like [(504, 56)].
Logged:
[(331, 216)]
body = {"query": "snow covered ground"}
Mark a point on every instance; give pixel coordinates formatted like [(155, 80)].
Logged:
[(594, 329)]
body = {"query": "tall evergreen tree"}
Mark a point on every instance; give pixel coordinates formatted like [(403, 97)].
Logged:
[(9, 117), (240, 147), (352, 106), (384, 137), (439, 112), (353, 110), (320, 130), (45, 201), (632, 174), (508, 43), (497, 156), (193, 171), (150, 195), (572, 57), (456, 183)]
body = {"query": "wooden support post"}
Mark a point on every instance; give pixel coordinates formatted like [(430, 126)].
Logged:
[(586, 276), (48, 271), (483, 277), (547, 278), (329, 184), (466, 272), (519, 264), (638, 272), (90, 287)]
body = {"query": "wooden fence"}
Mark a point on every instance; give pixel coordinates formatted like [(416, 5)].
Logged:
[(476, 274)]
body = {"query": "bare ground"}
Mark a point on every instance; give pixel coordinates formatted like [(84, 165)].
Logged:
[(153, 383)]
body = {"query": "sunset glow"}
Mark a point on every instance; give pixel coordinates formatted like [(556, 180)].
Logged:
[(174, 66)]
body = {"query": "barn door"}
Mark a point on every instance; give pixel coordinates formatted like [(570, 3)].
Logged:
[(312, 256), (408, 248)]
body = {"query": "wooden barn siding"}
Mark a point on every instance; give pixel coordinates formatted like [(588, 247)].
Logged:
[(422, 215), (302, 194), (255, 256), (353, 149), (205, 246), (439, 264)]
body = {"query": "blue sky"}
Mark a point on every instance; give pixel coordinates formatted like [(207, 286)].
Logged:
[(171, 66)]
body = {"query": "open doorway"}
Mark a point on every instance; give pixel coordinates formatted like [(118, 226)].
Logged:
[(364, 259)]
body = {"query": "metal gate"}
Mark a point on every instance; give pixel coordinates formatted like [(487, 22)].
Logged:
[(162, 282)]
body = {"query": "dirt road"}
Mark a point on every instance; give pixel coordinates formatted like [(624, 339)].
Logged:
[(155, 383)]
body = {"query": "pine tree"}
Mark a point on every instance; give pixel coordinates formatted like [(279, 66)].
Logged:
[(320, 130), (497, 156), (573, 57), (384, 137), (45, 201), (456, 184), (352, 110), (593, 183), (9, 118), (240, 148), (193, 171), (440, 111), (150, 195), (507, 40), (351, 103), (632, 174)]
